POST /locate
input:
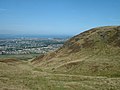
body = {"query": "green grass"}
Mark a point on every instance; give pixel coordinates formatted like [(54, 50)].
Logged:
[(24, 76), (21, 57)]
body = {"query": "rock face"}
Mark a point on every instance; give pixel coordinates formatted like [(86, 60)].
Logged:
[(93, 52)]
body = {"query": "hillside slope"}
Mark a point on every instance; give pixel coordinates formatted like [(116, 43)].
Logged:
[(93, 52)]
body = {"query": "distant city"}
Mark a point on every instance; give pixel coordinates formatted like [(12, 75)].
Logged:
[(17, 45)]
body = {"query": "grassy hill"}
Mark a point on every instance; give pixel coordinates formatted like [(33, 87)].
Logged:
[(94, 52), (88, 61)]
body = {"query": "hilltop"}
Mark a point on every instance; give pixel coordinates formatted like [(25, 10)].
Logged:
[(94, 52)]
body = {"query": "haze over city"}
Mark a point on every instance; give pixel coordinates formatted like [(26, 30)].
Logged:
[(56, 17)]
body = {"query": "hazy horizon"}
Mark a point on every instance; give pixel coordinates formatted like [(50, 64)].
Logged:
[(56, 17), (30, 36)]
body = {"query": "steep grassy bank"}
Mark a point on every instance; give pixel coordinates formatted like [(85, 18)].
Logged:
[(94, 52)]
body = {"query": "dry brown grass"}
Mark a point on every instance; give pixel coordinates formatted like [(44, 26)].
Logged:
[(88, 61), (24, 76)]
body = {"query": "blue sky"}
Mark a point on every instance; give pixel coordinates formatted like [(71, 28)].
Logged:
[(56, 17)]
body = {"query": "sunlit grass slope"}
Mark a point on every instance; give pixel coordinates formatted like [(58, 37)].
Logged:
[(95, 52), (20, 75), (88, 61)]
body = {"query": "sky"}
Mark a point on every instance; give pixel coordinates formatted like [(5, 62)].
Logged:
[(56, 17)]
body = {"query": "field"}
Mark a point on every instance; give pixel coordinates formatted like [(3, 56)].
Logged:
[(22, 75), (20, 57)]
